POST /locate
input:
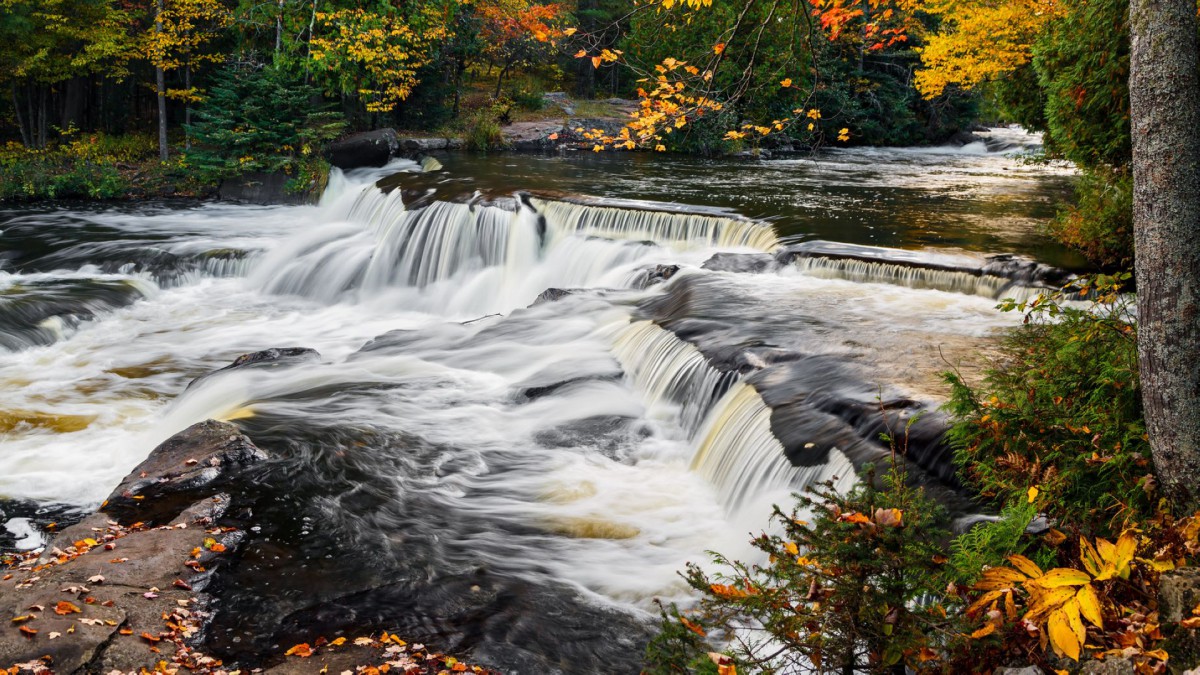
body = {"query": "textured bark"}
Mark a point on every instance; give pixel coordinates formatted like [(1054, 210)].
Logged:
[(1165, 109)]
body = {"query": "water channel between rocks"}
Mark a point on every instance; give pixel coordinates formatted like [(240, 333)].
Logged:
[(515, 479)]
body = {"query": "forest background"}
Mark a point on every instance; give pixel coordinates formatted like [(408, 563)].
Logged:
[(97, 90)]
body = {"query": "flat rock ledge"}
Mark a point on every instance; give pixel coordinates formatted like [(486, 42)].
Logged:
[(124, 588)]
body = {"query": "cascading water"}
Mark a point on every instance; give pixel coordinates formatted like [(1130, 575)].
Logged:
[(984, 285), (566, 457)]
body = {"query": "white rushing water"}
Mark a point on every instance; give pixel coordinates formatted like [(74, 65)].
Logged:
[(633, 457)]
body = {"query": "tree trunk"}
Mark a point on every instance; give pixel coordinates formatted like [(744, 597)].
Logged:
[(1165, 110), (279, 29), (500, 81), (187, 108), (161, 84), (25, 137)]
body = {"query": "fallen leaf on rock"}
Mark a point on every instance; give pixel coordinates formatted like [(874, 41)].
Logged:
[(117, 561), (150, 595), (363, 641), (180, 583), (23, 618), (90, 622), (98, 579), (150, 638), (54, 635), (126, 631), (36, 608), (28, 631), (64, 607), (338, 642), (302, 650)]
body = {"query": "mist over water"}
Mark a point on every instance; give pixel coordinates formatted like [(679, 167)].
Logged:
[(450, 424)]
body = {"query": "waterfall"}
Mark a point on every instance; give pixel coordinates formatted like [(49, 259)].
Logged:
[(668, 372), (679, 230), (727, 421), (738, 453), (477, 258), (850, 269)]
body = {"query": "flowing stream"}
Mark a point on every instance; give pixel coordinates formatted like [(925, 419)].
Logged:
[(567, 455)]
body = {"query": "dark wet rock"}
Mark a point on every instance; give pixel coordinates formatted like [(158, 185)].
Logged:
[(369, 148), (550, 295), (267, 188), (962, 138), (516, 626), (753, 263), (30, 520), (39, 312), (192, 464), (276, 356), (655, 274)]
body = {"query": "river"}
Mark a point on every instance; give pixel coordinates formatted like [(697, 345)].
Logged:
[(566, 457)]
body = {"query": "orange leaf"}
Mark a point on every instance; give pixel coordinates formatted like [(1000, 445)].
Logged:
[(695, 628), (65, 607), (28, 631), (718, 48), (302, 650), (596, 61)]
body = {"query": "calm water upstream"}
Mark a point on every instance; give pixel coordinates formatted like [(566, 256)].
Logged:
[(568, 456)]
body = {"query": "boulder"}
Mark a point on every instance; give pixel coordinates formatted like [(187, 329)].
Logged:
[(550, 295), (369, 148), (276, 357), (190, 465), (414, 147), (258, 187)]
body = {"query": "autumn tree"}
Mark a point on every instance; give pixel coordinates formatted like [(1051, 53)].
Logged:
[(180, 38), (376, 55), (1164, 88), (518, 33)]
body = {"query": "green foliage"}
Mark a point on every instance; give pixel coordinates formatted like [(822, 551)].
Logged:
[(481, 128), (259, 120), (1100, 224), (1061, 411), (989, 543), (55, 175), (858, 588)]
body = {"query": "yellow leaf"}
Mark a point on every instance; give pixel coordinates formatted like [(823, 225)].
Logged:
[(1062, 576), (1071, 609), (999, 578), (984, 600), (785, 83), (1123, 553), (570, 31), (1025, 565), (1033, 493), (1043, 601), (1089, 605), (791, 548), (1158, 565), (581, 53), (1062, 637), (1090, 557)]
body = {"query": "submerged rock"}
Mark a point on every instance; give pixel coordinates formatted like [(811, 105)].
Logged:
[(276, 357)]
